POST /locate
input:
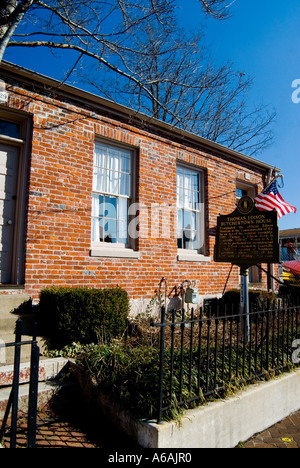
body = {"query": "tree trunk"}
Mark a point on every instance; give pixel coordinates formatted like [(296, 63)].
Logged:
[(11, 13)]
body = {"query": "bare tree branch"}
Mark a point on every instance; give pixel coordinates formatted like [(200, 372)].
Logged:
[(219, 9), (205, 99), (145, 61)]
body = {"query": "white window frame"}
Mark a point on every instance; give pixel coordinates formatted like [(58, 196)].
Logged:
[(199, 254), (104, 248)]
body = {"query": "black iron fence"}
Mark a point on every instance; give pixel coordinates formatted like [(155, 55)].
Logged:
[(205, 353), (13, 401)]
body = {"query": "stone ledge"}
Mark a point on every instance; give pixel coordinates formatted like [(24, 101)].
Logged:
[(48, 369), (220, 424), (45, 393)]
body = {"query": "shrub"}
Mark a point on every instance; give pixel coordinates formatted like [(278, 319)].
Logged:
[(230, 301), (83, 315), (290, 292), (128, 374)]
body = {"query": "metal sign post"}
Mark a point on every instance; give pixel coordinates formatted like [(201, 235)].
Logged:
[(244, 300)]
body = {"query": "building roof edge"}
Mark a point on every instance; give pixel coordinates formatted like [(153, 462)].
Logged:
[(119, 108)]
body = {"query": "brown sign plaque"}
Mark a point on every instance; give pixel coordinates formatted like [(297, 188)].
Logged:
[(247, 236)]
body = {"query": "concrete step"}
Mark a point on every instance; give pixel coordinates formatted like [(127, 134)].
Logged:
[(50, 372), (46, 390)]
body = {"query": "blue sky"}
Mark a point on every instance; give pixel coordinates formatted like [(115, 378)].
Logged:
[(261, 39)]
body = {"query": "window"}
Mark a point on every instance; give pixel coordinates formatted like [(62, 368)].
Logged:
[(9, 129), (189, 210), (240, 193), (111, 195)]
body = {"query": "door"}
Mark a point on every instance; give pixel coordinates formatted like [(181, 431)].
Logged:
[(9, 163)]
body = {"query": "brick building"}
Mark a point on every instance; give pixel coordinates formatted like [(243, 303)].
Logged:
[(95, 194)]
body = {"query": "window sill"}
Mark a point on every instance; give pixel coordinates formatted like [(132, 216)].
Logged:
[(192, 257), (114, 253)]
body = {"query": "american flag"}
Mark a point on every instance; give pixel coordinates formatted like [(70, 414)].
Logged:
[(270, 199)]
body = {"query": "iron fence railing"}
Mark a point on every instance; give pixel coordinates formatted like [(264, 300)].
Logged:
[(13, 401), (203, 353)]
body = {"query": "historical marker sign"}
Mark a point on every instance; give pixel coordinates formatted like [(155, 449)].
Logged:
[(247, 236)]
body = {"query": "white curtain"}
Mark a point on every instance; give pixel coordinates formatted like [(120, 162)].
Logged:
[(112, 173)]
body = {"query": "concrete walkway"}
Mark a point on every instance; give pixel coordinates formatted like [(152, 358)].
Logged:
[(66, 422), (65, 429), (285, 434), (69, 423)]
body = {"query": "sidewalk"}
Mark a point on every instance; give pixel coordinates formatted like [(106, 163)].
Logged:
[(284, 434), (69, 424), (66, 431), (52, 432)]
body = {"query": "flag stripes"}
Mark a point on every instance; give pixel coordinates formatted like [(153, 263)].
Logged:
[(270, 199)]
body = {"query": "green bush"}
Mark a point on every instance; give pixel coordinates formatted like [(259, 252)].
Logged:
[(230, 301), (291, 293), (83, 315), (128, 374)]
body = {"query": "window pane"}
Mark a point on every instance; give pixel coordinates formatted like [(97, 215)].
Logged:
[(179, 187), (193, 221), (113, 160), (110, 231), (110, 207), (101, 230), (122, 220), (190, 239), (179, 229), (188, 178), (97, 212), (125, 185), (179, 177), (196, 201), (9, 129), (187, 219), (125, 162), (100, 157), (240, 193), (95, 205), (112, 182), (195, 182), (180, 197), (123, 209), (95, 230), (99, 180), (188, 199), (122, 232)]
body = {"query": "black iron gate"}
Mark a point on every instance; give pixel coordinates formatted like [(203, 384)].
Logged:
[(12, 404)]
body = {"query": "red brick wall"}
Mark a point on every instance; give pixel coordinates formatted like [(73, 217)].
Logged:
[(58, 237)]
